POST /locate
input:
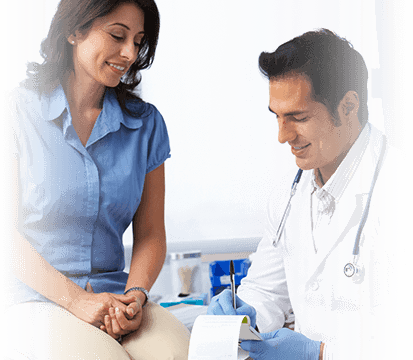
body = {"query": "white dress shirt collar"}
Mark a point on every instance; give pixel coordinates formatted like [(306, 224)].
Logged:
[(338, 182)]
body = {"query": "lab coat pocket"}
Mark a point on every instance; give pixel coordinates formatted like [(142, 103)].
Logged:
[(346, 295)]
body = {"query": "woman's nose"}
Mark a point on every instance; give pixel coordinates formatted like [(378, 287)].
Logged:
[(286, 131), (128, 51)]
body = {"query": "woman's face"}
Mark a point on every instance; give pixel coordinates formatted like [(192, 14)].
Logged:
[(107, 50)]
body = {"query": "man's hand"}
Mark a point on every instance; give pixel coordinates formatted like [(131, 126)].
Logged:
[(222, 305), (283, 344)]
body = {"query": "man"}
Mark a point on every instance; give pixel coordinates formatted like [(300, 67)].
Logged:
[(340, 297)]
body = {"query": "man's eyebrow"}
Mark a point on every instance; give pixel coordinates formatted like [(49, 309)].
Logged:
[(125, 26), (292, 113)]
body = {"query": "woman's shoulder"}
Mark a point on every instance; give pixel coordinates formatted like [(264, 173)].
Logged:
[(21, 95), (141, 109), (137, 112)]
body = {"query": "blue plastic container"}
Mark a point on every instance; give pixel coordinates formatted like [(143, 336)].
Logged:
[(220, 277)]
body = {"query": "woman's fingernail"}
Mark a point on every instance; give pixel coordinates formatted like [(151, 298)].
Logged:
[(117, 309)]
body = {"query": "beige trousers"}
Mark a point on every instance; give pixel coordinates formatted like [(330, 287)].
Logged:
[(39, 330)]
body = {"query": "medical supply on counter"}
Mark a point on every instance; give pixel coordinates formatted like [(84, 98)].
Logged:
[(186, 272), (351, 268), (219, 274), (193, 299)]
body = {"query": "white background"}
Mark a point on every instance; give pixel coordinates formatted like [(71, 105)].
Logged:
[(206, 83), (205, 80)]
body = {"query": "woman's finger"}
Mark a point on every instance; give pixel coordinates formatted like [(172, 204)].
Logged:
[(108, 326), (128, 325), (116, 328), (122, 320), (125, 299), (132, 310)]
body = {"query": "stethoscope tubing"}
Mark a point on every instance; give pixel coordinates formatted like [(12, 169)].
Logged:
[(293, 190), (356, 248)]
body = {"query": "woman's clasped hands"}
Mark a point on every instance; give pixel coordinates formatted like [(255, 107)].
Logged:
[(115, 314)]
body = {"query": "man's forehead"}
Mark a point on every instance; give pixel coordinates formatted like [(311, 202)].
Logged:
[(289, 94), (290, 84)]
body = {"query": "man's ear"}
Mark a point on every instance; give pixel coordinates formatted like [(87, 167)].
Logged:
[(349, 107), (349, 104)]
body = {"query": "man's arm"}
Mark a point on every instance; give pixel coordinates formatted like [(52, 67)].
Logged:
[(265, 286)]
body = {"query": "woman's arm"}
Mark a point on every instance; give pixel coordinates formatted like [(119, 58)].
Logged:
[(148, 251), (149, 238), (29, 266)]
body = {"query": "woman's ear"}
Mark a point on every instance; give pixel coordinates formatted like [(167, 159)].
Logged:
[(72, 39)]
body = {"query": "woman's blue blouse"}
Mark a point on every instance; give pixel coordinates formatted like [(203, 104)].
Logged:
[(76, 201)]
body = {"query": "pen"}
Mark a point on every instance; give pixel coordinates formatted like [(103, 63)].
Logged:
[(232, 273)]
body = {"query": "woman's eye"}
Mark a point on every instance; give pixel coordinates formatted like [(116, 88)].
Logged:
[(116, 37), (137, 44)]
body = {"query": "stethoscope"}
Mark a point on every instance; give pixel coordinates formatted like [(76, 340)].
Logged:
[(351, 268)]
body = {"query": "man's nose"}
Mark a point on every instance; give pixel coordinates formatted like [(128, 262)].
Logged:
[(286, 131)]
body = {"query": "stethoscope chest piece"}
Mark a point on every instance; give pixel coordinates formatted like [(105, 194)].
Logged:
[(354, 271), (349, 270)]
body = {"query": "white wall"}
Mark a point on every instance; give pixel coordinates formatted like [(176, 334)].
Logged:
[(206, 83)]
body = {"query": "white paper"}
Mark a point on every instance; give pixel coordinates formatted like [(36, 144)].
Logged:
[(216, 338)]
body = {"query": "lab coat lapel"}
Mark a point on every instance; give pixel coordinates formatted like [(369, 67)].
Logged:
[(343, 227), (349, 210)]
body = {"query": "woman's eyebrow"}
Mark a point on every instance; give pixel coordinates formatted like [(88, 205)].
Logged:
[(125, 26)]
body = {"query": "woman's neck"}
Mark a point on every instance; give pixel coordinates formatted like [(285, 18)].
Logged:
[(83, 95)]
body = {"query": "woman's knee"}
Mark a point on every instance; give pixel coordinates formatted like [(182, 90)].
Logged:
[(46, 331), (161, 336)]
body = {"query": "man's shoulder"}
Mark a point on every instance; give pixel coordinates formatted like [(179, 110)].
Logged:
[(393, 156)]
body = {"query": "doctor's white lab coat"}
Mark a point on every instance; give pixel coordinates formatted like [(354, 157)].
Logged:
[(354, 317)]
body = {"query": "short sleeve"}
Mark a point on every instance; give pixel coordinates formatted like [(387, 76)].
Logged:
[(12, 128), (158, 147)]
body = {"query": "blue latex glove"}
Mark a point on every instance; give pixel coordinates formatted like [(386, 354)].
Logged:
[(222, 305), (283, 344)]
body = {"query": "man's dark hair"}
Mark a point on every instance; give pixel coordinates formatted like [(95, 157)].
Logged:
[(79, 15), (331, 63)]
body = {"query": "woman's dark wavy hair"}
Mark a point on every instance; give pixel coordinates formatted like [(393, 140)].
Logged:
[(79, 15), (331, 63)]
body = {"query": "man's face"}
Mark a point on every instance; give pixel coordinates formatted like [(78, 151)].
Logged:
[(307, 125)]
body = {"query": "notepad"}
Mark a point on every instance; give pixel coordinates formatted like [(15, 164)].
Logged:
[(217, 337)]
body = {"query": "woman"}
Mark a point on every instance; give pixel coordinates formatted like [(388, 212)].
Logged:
[(89, 161)]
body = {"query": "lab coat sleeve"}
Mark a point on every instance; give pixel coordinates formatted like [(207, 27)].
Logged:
[(265, 286), (390, 262), (382, 335)]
